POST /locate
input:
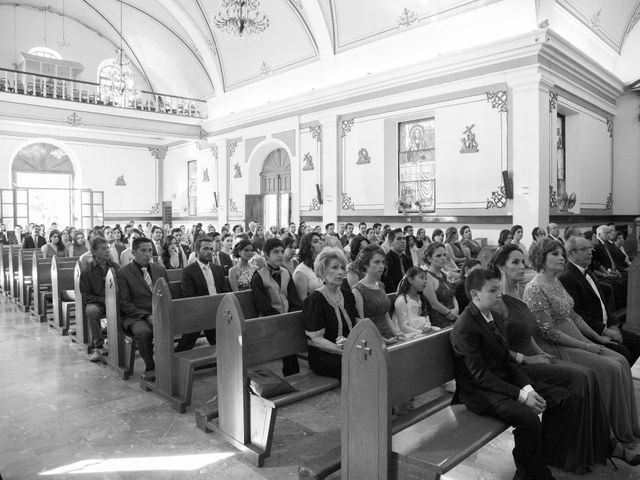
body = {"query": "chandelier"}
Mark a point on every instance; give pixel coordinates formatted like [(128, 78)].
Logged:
[(240, 19), (121, 79)]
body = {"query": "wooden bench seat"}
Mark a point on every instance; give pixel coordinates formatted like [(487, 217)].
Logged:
[(245, 420), (41, 290), (25, 279), (62, 292), (374, 379), (4, 269), (80, 334)]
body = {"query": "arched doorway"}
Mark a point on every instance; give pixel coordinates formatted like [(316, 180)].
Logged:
[(275, 188), (43, 191)]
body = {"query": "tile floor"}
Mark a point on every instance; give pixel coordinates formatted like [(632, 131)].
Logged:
[(62, 417)]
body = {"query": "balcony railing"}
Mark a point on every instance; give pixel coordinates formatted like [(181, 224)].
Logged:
[(47, 86)]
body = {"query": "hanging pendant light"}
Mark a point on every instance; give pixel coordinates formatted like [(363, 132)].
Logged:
[(240, 19)]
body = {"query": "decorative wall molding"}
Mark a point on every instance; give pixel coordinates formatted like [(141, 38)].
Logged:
[(237, 173), (407, 18), (308, 162), (155, 209), (205, 175), (553, 197), (214, 151), (316, 132), (315, 204), (233, 207), (265, 69), (159, 153), (74, 120), (609, 202), (120, 182), (498, 198), (468, 140), (553, 101), (231, 148), (347, 125), (594, 20), (498, 100), (347, 203), (610, 127), (363, 157)]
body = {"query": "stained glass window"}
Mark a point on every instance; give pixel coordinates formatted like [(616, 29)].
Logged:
[(192, 187), (417, 166), (562, 159)]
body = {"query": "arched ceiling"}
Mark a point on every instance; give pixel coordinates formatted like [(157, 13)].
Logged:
[(176, 49)]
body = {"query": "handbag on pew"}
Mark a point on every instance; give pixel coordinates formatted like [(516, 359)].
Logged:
[(266, 383)]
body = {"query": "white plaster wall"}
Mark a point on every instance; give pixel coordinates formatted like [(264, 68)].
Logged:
[(594, 147), (626, 155), (309, 178), (239, 187)]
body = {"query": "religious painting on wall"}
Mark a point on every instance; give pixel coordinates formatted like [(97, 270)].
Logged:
[(417, 166)]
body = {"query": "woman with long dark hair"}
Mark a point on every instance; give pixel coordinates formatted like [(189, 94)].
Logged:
[(304, 277), (55, 247)]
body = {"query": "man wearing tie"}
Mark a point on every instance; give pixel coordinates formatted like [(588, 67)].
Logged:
[(135, 284), (203, 277), (114, 249), (218, 256), (590, 304)]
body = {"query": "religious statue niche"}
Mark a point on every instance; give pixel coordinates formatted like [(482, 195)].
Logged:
[(363, 157), (416, 166), (308, 162), (237, 173), (468, 140), (120, 181)]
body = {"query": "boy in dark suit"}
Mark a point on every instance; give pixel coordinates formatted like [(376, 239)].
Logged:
[(397, 263), (202, 277), (135, 284), (490, 383)]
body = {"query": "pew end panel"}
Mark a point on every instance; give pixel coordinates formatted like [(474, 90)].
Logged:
[(81, 336), (121, 346), (633, 299)]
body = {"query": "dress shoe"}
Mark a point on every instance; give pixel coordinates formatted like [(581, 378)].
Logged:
[(627, 455)]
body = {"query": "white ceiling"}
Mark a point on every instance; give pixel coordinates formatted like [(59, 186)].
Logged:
[(176, 49)]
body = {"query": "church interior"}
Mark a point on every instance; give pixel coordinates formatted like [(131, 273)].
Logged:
[(421, 113)]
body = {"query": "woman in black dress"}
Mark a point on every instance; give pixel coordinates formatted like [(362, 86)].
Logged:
[(329, 314), (575, 445)]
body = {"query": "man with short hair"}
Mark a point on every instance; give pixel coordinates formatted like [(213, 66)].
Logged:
[(92, 288), (15, 237), (348, 235), (605, 268), (114, 249), (362, 229), (252, 229), (203, 277), (331, 239), (554, 233), (35, 240), (178, 234), (156, 240), (589, 301), (135, 284), (397, 263), (408, 230), (274, 292), (219, 257)]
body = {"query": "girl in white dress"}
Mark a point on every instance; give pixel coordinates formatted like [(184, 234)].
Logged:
[(410, 309)]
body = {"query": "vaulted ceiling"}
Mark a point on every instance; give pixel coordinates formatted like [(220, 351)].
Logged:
[(176, 49)]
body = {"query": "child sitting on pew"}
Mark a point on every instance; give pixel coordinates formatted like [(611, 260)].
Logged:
[(410, 314)]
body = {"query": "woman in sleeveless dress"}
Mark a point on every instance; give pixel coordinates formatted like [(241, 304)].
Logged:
[(581, 443), (441, 295), (240, 274), (564, 334), (371, 299), (303, 276), (55, 247)]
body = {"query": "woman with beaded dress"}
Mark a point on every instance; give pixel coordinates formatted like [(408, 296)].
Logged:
[(565, 335), (240, 274)]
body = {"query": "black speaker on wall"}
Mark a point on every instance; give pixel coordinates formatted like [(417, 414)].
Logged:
[(508, 184), (319, 194)]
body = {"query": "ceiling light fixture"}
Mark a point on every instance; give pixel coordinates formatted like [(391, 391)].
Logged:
[(240, 19), (63, 41), (121, 78)]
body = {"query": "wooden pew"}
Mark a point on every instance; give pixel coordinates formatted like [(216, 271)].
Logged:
[(14, 270), (41, 286), (633, 298), (175, 274), (62, 288), (25, 280), (4, 270), (81, 334), (121, 345), (245, 420), (172, 317), (374, 379)]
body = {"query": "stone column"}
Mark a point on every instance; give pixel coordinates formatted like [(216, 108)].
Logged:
[(530, 150)]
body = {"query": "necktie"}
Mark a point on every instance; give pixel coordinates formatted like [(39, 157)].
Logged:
[(147, 277), (208, 276), (216, 259)]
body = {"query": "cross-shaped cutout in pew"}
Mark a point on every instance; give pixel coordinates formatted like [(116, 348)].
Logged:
[(364, 349), (228, 316)]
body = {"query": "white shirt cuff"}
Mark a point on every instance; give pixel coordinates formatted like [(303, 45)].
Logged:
[(524, 393)]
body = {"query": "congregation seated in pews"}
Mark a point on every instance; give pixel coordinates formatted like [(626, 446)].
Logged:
[(523, 331)]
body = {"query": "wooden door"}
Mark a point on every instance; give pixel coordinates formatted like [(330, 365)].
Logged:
[(253, 210)]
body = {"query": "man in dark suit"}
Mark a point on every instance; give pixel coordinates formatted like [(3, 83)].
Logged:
[(177, 232), (203, 277), (115, 249), (157, 234), (605, 269), (397, 263), (490, 383), (35, 240), (135, 284), (554, 233), (590, 302), (218, 257)]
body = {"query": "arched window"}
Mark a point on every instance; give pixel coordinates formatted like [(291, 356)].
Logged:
[(106, 72), (45, 52)]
